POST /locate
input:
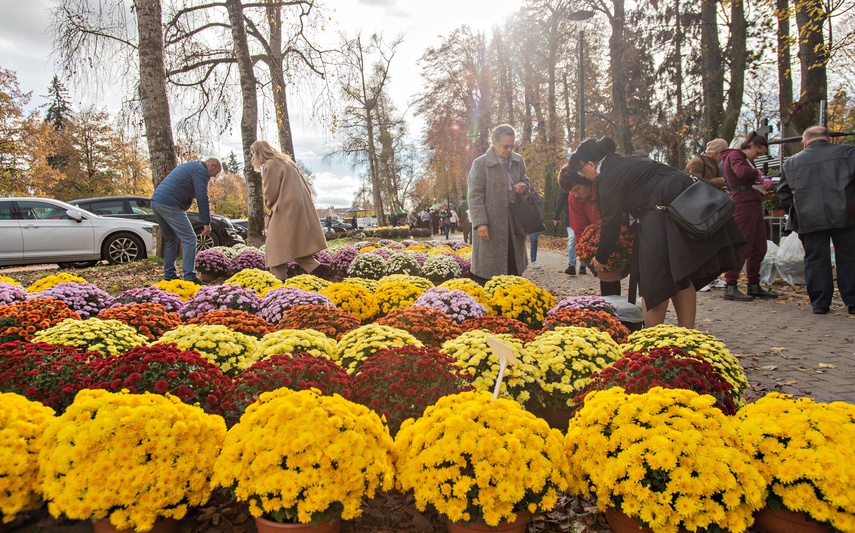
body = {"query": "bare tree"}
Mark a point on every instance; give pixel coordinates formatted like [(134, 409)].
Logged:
[(363, 80)]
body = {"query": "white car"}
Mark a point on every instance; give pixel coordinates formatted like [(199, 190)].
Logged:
[(39, 230)]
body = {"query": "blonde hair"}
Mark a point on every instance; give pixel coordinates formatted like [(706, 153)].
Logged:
[(262, 152)]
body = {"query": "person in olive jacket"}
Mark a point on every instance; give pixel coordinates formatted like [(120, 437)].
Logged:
[(818, 188)]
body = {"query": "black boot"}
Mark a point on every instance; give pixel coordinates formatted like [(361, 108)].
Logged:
[(757, 291), (582, 270), (732, 292)]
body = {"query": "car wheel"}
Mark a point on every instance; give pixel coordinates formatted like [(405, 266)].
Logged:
[(77, 264), (207, 241), (123, 248)]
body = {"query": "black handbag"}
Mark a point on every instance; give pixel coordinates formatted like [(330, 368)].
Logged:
[(527, 216), (701, 209)]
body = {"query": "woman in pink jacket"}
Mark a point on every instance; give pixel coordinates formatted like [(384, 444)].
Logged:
[(745, 183)]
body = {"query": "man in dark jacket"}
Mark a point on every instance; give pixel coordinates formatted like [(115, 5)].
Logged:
[(172, 197), (818, 188)]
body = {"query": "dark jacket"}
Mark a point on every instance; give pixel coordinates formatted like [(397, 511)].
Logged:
[(818, 187), (185, 182)]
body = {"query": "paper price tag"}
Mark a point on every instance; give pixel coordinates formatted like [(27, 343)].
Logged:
[(506, 355)]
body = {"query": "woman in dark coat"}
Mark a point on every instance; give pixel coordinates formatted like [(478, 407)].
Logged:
[(671, 264)]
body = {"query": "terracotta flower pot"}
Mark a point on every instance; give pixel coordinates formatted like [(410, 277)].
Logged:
[(161, 525), (777, 212), (784, 521), (517, 526), (556, 418), (269, 526), (620, 522)]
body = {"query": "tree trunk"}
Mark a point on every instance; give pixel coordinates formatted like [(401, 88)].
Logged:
[(813, 57), (785, 77), (248, 122), (712, 71), (277, 77), (152, 90), (619, 81), (738, 61)]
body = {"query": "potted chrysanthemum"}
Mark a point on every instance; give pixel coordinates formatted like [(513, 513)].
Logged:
[(137, 459), (565, 358), (516, 297), (480, 461), (357, 345), (22, 423), (665, 459), (337, 453), (803, 450), (695, 343), (107, 337)]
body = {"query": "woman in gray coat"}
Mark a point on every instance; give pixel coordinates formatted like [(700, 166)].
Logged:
[(497, 179)]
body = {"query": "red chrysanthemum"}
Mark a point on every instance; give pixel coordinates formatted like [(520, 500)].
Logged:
[(298, 371), (670, 368), (163, 369), (400, 383)]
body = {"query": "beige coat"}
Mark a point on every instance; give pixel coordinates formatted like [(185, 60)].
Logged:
[(293, 227)]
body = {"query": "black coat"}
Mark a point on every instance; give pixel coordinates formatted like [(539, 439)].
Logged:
[(668, 259), (818, 187)]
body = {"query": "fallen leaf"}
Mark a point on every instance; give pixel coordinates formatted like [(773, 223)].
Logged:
[(788, 382), (827, 365), (777, 348), (769, 367)]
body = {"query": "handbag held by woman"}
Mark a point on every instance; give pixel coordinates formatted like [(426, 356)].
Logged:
[(701, 209)]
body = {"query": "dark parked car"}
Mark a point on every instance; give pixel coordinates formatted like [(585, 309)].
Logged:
[(241, 226), (223, 233)]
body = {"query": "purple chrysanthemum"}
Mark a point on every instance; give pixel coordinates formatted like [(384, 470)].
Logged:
[(172, 302), (213, 262), (342, 259), (248, 259), (218, 297), (277, 301), (591, 303), (10, 294), (456, 304), (84, 298)]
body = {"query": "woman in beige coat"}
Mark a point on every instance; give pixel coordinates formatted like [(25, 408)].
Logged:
[(294, 230)]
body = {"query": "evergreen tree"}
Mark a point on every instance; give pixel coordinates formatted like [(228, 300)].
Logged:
[(231, 164), (59, 112)]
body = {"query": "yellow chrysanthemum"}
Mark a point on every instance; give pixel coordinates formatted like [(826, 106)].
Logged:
[(129, 458), (52, 281), (355, 346), (230, 350), (183, 289), (354, 298), (22, 423), (337, 452), (667, 457), (517, 297), (255, 279), (479, 460), (287, 341), (107, 337), (800, 446), (7, 279)]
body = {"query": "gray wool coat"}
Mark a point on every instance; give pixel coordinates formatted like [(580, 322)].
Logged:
[(489, 203)]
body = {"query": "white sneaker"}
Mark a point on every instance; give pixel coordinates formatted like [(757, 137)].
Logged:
[(718, 283), (705, 288), (534, 265)]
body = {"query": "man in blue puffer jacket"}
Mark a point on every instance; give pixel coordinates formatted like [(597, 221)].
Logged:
[(169, 202)]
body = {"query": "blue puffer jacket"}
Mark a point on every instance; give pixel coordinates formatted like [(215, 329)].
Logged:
[(185, 182)]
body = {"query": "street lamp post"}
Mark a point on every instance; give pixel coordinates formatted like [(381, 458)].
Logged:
[(581, 19)]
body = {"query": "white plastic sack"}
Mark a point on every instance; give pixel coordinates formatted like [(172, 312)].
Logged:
[(768, 274), (790, 260)]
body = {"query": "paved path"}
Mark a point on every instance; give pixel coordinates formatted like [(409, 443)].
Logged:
[(781, 344)]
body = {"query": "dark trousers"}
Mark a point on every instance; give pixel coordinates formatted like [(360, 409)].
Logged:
[(818, 273), (749, 218), (467, 232)]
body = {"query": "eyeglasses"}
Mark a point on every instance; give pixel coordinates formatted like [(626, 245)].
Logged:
[(583, 165)]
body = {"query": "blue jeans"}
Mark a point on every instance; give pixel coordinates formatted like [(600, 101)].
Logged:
[(532, 239), (175, 226), (571, 247)]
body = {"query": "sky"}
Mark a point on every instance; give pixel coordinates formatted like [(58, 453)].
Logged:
[(25, 46)]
